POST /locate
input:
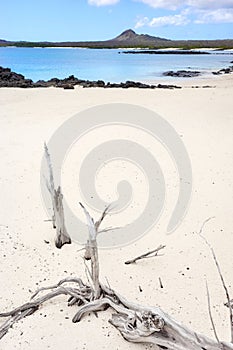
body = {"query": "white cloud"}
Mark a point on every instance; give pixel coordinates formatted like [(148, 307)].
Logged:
[(215, 16), (102, 2), (196, 11), (166, 4), (173, 20), (200, 4), (174, 4), (141, 22), (210, 4)]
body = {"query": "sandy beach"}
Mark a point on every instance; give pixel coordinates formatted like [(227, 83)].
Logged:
[(203, 119)]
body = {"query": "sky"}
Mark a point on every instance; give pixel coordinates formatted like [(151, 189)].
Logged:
[(82, 20)]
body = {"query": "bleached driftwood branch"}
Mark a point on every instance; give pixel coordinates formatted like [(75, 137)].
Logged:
[(219, 272), (136, 323), (147, 255), (58, 219), (210, 313), (92, 250)]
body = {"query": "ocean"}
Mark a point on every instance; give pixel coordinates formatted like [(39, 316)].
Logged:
[(105, 64)]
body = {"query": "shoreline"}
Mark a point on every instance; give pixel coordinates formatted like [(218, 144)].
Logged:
[(213, 50), (200, 81), (10, 79), (183, 83)]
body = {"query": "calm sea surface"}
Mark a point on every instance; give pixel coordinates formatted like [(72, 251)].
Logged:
[(108, 65)]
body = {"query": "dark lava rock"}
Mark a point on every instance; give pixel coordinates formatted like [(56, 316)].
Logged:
[(162, 86), (139, 85), (11, 79), (132, 84), (88, 84), (40, 83), (224, 71), (182, 74), (68, 87), (166, 52)]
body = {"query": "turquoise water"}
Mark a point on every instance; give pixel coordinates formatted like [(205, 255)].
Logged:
[(108, 65)]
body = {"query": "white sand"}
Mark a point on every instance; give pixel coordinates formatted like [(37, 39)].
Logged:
[(204, 119)]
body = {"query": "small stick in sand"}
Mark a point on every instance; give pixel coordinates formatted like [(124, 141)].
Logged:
[(150, 254), (160, 283)]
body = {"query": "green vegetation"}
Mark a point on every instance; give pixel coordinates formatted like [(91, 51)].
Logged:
[(129, 39)]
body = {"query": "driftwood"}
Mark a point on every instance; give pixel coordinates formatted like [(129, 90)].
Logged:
[(220, 275), (147, 255), (210, 313), (136, 323), (58, 219), (91, 249)]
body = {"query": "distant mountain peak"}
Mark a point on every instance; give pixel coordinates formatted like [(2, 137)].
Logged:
[(128, 34)]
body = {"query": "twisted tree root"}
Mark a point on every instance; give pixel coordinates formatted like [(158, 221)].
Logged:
[(136, 323), (80, 294)]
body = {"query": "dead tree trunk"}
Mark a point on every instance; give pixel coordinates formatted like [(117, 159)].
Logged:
[(92, 252), (58, 219), (62, 236)]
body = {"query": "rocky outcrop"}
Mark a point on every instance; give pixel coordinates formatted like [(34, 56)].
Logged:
[(192, 74), (70, 82), (182, 74), (166, 52), (12, 79), (224, 71)]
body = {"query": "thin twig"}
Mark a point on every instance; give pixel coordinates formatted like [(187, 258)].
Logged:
[(107, 229), (204, 223), (220, 274), (210, 314), (103, 215), (150, 254), (90, 224)]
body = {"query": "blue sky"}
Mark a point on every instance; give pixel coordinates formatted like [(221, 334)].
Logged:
[(75, 20)]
